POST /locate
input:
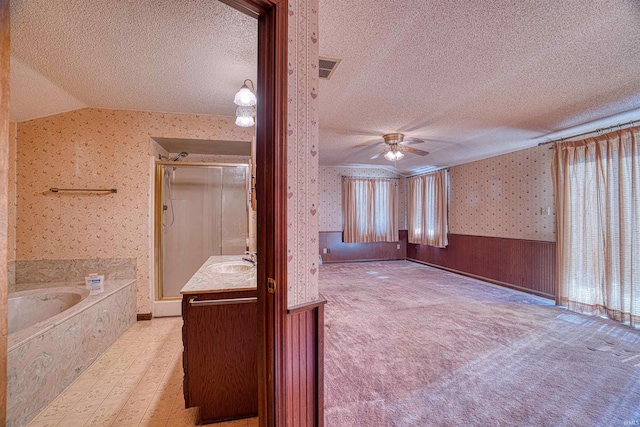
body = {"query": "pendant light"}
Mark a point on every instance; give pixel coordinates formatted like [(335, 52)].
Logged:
[(246, 101)]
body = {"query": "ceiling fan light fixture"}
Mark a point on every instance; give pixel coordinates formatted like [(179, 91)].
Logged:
[(393, 138), (393, 155)]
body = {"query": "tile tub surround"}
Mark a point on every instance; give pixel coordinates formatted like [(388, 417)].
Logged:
[(11, 267), (42, 363), (208, 279), (62, 270)]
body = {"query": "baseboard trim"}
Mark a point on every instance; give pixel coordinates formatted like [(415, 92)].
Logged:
[(347, 261), (486, 279), (144, 316)]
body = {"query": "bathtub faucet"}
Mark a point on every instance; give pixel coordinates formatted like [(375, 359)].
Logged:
[(253, 258)]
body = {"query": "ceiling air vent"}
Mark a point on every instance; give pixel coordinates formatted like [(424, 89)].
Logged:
[(327, 66)]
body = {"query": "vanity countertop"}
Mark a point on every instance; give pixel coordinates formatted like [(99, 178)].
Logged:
[(208, 278)]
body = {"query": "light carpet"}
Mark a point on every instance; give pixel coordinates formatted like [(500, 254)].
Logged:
[(410, 345)]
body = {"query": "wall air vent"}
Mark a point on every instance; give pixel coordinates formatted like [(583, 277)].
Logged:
[(327, 66)]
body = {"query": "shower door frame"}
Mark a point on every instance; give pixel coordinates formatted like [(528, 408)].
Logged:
[(158, 247)]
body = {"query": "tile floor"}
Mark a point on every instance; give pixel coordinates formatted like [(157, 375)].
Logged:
[(136, 382)]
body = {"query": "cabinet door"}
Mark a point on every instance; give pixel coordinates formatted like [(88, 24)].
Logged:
[(220, 357)]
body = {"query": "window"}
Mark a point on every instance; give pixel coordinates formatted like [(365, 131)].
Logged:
[(369, 210), (428, 209), (597, 190)]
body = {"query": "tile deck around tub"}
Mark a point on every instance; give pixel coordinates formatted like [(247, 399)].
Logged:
[(136, 382)]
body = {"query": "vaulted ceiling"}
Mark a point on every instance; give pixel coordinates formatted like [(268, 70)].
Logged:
[(472, 78), (162, 55)]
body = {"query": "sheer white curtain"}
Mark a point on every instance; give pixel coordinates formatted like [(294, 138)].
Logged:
[(369, 210), (427, 214), (597, 192)]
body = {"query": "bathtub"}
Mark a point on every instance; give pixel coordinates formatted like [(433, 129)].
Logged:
[(55, 332), (28, 309)]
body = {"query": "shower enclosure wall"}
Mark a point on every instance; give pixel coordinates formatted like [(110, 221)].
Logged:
[(201, 210)]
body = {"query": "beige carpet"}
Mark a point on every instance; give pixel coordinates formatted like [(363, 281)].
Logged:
[(409, 345)]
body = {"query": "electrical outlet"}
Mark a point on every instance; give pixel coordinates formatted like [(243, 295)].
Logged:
[(398, 246), (324, 250)]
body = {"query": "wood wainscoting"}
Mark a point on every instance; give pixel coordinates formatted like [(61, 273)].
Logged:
[(305, 367), (527, 265), (338, 251)]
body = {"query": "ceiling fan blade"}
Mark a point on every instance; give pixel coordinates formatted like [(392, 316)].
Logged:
[(369, 144), (414, 151), (380, 154), (358, 132), (412, 141)]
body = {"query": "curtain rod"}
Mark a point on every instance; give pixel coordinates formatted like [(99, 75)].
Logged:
[(428, 173), (367, 177), (596, 131)]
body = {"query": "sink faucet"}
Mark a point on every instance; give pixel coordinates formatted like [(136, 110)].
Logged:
[(253, 258)]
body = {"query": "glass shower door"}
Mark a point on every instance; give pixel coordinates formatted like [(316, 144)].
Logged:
[(204, 213)]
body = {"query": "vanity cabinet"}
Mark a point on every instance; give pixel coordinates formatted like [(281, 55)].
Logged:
[(220, 354)]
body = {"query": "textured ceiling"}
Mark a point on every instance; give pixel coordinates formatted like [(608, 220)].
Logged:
[(475, 78), (156, 55)]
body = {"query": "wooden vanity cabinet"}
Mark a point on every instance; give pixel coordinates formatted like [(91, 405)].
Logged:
[(220, 355)]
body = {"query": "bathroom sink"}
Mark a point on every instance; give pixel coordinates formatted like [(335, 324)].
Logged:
[(232, 267)]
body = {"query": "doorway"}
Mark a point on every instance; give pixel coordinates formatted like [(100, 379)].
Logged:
[(270, 191)]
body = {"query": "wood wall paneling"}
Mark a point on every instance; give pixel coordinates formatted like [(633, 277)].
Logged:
[(305, 372), (527, 265), (338, 251)]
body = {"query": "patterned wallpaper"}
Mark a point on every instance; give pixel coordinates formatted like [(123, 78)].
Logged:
[(331, 194), (302, 153), (11, 194), (94, 148), (502, 196)]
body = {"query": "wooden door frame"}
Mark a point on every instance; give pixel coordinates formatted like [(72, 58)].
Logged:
[(271, 194), (4, 184)]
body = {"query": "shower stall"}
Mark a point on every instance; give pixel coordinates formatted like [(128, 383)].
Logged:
[(201, 209)]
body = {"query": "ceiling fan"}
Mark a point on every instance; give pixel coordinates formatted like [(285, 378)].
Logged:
[(396, 146)]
